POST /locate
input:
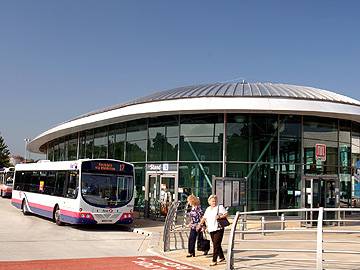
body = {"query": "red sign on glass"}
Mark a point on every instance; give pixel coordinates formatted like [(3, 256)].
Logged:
[(320, 152)]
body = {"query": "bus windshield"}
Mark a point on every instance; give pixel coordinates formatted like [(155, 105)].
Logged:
[(106, 190)]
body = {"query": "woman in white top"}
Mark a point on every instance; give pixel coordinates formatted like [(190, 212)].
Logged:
[(212, 214)]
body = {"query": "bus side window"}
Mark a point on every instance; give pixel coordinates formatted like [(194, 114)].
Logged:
[(50, 183), (18, 182), (72, 185), (60, 183)]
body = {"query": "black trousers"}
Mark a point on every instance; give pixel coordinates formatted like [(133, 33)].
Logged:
[(216, 238), (192, 240)]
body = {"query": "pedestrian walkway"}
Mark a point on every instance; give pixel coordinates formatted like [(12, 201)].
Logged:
[(178, 245)]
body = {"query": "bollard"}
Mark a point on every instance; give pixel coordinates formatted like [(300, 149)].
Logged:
[(282, 222), (241, 228), (263, 225)]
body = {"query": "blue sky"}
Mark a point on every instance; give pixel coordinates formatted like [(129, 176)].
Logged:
[(59, 59)]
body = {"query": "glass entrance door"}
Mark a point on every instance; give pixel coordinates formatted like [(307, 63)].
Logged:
[(167, 191), (153, 194), (160, 193), (321, 192)]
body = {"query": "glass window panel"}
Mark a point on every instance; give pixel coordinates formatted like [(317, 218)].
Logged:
[(162, 148), (196, 129), (263, 149), (318, 169), (156, 131), (100, 143), (136, 151), (166, 125), (320, 128), (50, 153), (290, 150), (291, 126), (89, 143), (72, 147), (344, 131), (136, 130), (263, 125), (252, 138), (111, 144), (82, 153), (172, 131), (331, 152), (238, 124), (289, 186), (201, 125), (238, 129), (66, 148), (119, 150), (117, 140), (237, 148), (355, 145), (201, 148), (237, 170), (56, 151), (195, 178), (139, 186), (262, 187), (345, 187), (62, 150)]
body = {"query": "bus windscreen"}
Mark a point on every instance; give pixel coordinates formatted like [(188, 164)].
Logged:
[(107, 183), (106, 190)]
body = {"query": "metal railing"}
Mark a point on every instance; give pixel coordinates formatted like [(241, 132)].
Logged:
[(175, 222), (315, 222)]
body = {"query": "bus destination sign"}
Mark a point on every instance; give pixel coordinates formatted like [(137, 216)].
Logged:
[(102, 166), (106, 166)]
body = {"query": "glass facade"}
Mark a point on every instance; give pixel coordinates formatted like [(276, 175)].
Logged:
[(275, 152)]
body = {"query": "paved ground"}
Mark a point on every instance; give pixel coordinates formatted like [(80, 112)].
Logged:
[(25, 239), (34, 238), (32, 242)]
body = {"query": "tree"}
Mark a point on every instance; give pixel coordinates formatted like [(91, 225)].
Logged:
[(4, 153)]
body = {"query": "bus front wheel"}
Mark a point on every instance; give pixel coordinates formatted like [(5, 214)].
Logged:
[(57, 216), (24, 208)]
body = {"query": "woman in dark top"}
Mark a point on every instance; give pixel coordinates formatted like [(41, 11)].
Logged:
[(195, 214)]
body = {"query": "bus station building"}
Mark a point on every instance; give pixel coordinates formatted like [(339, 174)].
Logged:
[(297, 146)]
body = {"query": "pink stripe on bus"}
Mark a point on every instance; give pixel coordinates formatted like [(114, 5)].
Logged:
[(69, 213), (16, 200), (40, 206)]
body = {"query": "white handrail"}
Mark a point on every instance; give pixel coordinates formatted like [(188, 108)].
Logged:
[(319, 251)]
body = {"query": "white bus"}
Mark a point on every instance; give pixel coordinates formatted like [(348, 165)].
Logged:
[(6, 181), (89, 191)]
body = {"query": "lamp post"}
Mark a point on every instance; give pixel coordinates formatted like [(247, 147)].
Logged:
[(26, 140)]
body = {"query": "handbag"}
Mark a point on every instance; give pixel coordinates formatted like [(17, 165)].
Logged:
[(223, 222), (203, 244)]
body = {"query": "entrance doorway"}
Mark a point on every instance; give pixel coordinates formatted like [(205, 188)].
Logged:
[(322, 192), (160, 193)]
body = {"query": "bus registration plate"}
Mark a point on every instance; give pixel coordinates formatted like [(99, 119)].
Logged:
[(106, 220)]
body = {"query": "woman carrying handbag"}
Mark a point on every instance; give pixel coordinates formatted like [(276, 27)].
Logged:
[(214, 215), (195, 214)]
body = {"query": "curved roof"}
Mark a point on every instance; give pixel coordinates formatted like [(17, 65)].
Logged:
[(214, 98), (240, 89)]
